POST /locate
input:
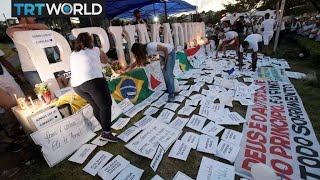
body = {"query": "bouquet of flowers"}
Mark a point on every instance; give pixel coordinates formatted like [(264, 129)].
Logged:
[(43, 91)]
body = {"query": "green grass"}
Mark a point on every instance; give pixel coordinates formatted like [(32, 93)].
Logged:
[(7, 49), (168, 166)]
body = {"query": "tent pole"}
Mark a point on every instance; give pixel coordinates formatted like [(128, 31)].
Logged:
[(165, 10), (279, 26)]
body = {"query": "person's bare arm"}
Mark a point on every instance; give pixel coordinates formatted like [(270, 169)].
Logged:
[(132, 66), (23, 27), (11, 69), (165, 52), (7, 101), (103, 57)]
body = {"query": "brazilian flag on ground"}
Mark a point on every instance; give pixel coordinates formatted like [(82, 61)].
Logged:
[(133, 85), (183, 61)]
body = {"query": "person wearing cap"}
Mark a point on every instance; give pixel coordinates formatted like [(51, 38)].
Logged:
[(251, 42), (138, 19), (227, 39)]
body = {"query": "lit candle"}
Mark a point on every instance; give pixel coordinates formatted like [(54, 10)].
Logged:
[(31, 101), (15, 96)]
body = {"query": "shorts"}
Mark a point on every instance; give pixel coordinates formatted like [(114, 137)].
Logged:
[(267, 37), (236, 42)]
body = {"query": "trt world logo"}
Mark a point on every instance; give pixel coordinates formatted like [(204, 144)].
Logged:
[(52, 8)]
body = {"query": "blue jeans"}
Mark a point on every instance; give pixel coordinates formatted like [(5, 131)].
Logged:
[(168, 72), (32, 77)]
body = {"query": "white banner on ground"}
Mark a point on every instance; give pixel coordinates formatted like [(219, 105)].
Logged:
[(279, 133), (62, 138), (273, 74)]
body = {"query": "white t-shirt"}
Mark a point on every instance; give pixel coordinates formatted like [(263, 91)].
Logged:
[(253, 40), (25, 59), (152, 48), (85, 65), (229, 36), (268, 25)]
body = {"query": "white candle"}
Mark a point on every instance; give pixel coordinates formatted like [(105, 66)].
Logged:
[(31, 101), (15, 96)]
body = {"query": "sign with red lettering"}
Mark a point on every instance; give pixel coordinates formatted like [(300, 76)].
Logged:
[(279, 133)]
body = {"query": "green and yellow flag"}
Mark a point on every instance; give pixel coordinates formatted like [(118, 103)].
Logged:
[(183, 61), (133, 85)]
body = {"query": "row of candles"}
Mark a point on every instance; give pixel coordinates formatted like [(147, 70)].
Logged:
[(21, 102)]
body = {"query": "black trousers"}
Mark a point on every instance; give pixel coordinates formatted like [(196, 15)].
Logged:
[(96, 92)]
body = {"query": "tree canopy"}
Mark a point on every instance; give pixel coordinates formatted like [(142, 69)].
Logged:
[(293, 7)]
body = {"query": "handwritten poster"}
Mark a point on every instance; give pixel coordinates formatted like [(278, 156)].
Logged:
[(62, 138)]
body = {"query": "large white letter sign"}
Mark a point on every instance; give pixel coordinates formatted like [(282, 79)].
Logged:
[(155, 35), (178, 34), (116, 32), (98, 31), (129, 32), (191, 31), (143, 33), (167, 34), (187, 37), (29, 39), (203, 31)]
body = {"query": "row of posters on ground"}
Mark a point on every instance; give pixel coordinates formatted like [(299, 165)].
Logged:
[(276, 130)]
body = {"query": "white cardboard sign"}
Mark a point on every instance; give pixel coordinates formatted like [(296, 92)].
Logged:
[(82, 154), (97, 162), (62, 138), (46, 118)]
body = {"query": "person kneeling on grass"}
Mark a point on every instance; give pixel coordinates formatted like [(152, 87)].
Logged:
[(88, 82), (167, 61), (251, 42), (227, 39)]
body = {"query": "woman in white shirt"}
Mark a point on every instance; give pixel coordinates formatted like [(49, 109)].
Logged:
[(88, 81), (167, 61)]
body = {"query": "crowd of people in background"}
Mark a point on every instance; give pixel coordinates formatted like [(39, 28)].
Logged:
[(308, 27)]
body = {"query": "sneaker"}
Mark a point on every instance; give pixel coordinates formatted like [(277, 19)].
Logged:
[(108, 137), (14, 147), (171, 99)]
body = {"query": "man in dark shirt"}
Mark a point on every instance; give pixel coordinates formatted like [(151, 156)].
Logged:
[(138, 19), (239, 27)]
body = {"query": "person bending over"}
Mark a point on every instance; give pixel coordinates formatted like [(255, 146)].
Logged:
[(251, 42), (228, 39), (88, 81), (167, 61)]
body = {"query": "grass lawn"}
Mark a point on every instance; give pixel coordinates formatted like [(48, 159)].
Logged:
[(168, 166), (7, 49)]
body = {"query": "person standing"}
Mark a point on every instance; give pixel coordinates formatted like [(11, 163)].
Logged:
[(239, 27), (251, 42), (8, 90), (28, 68), (268, 26), (227, 39), (167, 60), (88, 82), (138, 19)]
